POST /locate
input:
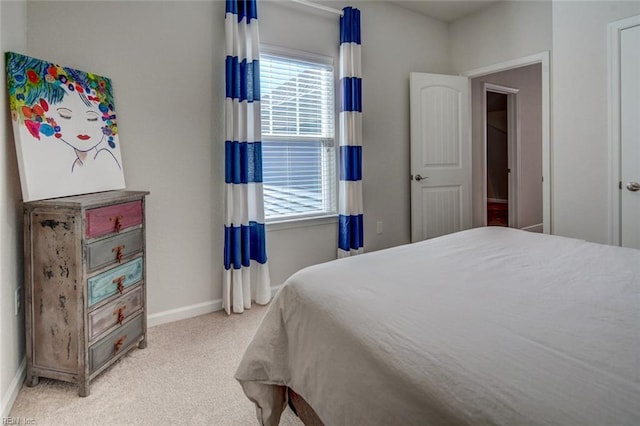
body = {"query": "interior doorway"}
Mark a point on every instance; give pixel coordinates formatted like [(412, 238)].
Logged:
[(520, 198), (497, 160), (531, 168), (501, 155)]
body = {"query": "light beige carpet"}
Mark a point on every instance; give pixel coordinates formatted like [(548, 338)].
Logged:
[(184, 376)]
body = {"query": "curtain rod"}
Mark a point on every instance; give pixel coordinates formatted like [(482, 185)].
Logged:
[(318, 6)]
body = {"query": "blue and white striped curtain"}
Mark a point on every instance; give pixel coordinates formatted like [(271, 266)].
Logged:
[(246, 272), (350, 227)]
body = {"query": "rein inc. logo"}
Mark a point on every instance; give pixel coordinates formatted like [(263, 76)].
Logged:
[(18, 421)]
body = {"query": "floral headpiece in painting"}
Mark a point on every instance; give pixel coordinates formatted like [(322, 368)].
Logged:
[(34, 85)]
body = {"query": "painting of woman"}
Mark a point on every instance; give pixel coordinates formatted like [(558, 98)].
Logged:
[(65, 128)]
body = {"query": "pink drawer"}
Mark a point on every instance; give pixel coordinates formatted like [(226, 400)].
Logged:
[(105, 220)]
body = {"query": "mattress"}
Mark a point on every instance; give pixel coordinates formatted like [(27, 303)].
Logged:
[(486, 326)]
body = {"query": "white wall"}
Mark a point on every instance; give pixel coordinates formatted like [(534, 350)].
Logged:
[(394, 43), (161, 58), (160, 141), (528, 80), (13, 23), (504, 31), (166, 63), (579, 150), (579, 127)]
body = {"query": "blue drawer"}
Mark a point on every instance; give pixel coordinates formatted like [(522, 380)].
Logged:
[(114, 280)]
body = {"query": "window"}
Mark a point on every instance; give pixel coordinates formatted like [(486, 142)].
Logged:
[(298, 155)]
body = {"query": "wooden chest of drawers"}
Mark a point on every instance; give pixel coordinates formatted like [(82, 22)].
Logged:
[(85, 287)]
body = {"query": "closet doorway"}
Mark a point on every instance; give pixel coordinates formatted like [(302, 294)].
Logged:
[(500, 147)]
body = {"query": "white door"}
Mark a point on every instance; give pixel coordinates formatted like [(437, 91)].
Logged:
[(630, 136), (440, 155)]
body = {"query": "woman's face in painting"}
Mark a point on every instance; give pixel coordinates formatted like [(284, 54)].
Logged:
[(80, 122)]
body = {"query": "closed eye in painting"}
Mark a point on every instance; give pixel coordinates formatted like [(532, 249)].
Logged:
[(92, 116), (65, 113)]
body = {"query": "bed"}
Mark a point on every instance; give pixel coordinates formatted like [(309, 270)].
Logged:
[(486, 326)]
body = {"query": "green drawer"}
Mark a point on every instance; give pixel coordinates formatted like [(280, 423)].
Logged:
[(106, 284), (111, 250)]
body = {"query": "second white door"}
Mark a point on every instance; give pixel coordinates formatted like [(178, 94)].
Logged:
[(630, 136), (440, 155)]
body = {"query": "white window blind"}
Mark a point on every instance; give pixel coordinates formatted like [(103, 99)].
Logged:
[(298, 155)]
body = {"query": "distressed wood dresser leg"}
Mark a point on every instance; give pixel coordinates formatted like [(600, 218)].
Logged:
[(83, 388), (32, 380)]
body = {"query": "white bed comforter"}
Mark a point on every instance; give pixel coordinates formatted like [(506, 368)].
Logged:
[(486, 326)]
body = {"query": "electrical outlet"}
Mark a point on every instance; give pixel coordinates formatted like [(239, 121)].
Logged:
[(379, 227), (17, 306)]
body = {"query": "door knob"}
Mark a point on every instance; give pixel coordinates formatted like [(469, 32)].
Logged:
[(419, 177), (633, 186)]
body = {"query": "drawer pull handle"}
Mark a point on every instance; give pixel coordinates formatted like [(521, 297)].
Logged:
[(118, 251), (120, 313), (120, 283), (117, 222), (118, 344)]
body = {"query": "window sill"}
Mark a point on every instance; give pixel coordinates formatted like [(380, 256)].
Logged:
[(301, 222)]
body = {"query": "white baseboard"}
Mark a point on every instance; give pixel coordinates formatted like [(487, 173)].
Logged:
[(183, 313), (191, 311), (14, 389), (534, 228)]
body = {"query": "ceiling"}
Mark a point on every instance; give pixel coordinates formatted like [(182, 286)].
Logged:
[(444, 10)]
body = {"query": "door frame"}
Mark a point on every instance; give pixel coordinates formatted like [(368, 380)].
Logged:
[(543, 59), (615, 138), (513, 148)]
